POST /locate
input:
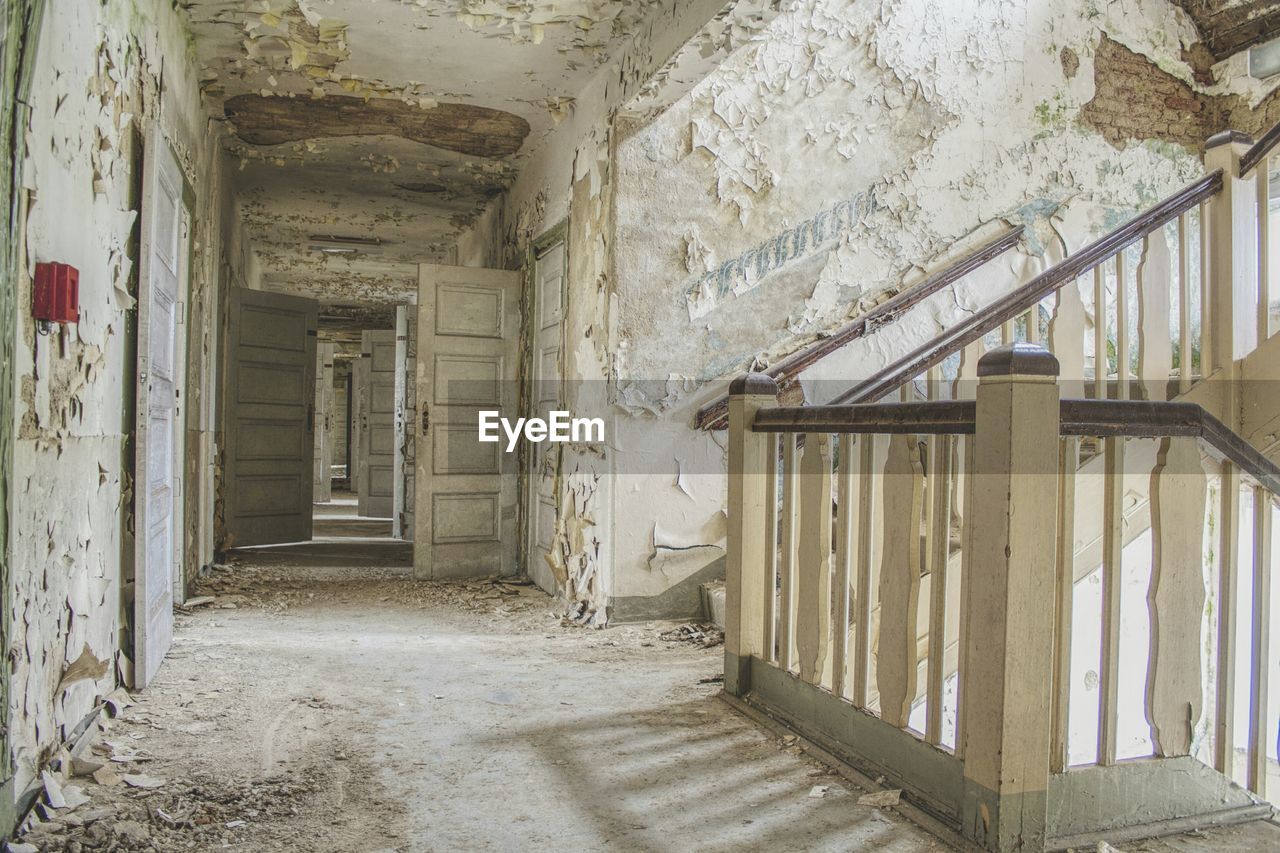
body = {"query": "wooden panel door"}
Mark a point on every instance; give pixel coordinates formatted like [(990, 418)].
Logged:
[(359, 379), (376, 489), (322, 479), (467, 345), (271, 357), (165, 229), (545, 394)]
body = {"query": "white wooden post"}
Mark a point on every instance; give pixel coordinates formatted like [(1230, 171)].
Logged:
[(1233, 258), (1009, 595), (746, 569)]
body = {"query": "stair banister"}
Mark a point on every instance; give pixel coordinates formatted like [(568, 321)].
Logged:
[(787, 371)]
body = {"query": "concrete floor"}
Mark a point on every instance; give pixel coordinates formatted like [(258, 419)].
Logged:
[(325, 700)]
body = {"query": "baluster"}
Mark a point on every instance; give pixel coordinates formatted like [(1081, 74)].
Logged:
[(1263, 174), (1066, 338), (771, 552), (1064, 589), (1155, 350), (1122, 328), (1206, 304), (1260, 733), (813, 613), (847, 493), (939, 550), (1112, 546), (862, 600), (790, 537), (965, 468), (1033, 324), (897, 659), (1008, 334), (1184, 307), (1228, 565), (1101, 362), (1176, 596)]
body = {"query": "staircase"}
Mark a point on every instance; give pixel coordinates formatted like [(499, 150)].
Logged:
[(1025, 573)]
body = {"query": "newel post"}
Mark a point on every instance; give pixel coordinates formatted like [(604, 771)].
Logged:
[(1232, 249), (1009, 600), (746, 563)]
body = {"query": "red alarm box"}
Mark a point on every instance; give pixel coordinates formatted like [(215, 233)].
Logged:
[(57, 295)]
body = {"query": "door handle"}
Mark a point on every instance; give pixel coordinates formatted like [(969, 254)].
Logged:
[(426, 418)]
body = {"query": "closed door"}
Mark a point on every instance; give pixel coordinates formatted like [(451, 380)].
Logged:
[(269, 475), (378, 430), (165, 226), (467, 345), (545, 395)]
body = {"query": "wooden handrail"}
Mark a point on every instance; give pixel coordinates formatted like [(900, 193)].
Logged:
[(1259, 150), (1019, 301), (714, 414), (1094, 418), (1140, 418), (938, 417)]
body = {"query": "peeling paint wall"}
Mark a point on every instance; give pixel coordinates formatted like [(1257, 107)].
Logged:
[(840, 153), (569, 173), (97, 86)]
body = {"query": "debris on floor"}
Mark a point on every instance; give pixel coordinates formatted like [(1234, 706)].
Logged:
[(881, 799), (817, 792), (692, 632), (261, 584)]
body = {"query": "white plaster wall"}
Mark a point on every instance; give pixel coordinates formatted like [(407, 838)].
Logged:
[(567, 174), (911, 130), (915, 130), (95, 90)]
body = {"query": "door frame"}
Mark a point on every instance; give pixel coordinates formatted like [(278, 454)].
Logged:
[(22, 21), (556, 235), (399, 478), (154, 143)]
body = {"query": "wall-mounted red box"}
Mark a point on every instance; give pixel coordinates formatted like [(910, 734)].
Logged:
[(57, 294)]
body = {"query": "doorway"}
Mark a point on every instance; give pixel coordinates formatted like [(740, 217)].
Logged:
[(545, 393)]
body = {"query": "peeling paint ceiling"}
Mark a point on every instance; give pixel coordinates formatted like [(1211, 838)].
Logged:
[(390, 119)]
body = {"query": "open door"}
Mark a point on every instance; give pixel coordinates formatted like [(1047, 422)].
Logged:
[(402, 476), (545, 394), (322, 481), (468, 340), (158, 447), (359, 381), (268, 477), (376, 486)]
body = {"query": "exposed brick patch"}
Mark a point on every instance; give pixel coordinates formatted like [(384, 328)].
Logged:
[(1256, 121), (1135, 100)]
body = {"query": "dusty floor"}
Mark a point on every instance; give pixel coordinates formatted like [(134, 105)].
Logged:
[(326, 701)]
